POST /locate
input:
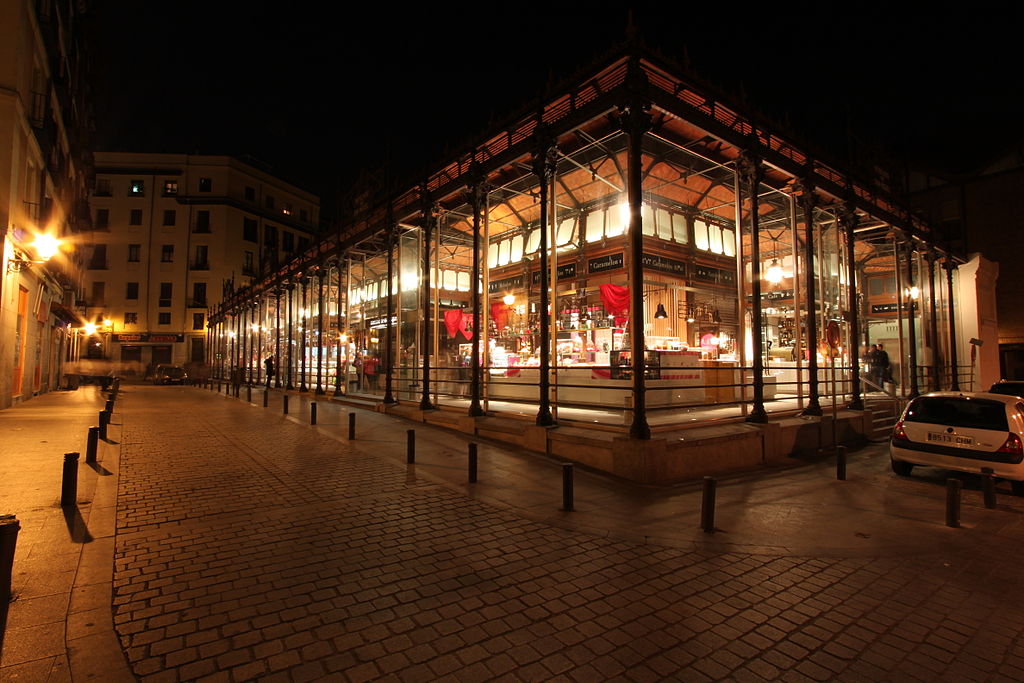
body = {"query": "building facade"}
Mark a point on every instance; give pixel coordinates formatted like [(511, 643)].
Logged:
[(45, 173), (172, 235), (635, 257)]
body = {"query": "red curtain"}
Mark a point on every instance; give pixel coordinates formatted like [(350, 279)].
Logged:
[(616, 301), (453, 321), (459, 321)]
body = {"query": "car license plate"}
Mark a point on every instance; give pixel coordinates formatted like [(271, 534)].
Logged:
[(953, 439)]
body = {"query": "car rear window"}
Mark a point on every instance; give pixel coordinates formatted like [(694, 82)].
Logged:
[(1008, 388), (173, 372), (954, 411)]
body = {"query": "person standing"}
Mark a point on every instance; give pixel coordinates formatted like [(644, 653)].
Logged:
[(268, 365)]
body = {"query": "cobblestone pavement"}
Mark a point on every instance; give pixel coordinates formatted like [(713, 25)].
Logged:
[(252, 546)]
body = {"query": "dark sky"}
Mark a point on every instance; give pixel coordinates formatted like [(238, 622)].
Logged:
[(322, 93)]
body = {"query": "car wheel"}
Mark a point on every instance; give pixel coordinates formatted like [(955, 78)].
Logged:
[(903, 468), (1017, 487)]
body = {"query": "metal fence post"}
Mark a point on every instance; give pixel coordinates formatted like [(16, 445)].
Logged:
[(567, 492), (707, 505), (266, 398), (69, 480), (284, 398), (104, 421), (410, 446), (9, 528), (351, 426), (91, 444), (953, 487), (988, 487), (841, 463), (312, 413), (472, 463)]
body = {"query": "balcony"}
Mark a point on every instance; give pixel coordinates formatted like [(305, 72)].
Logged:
[(197, 303)]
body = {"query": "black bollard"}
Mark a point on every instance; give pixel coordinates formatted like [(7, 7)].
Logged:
[(104, 421), (312, 413), (351, 426), (248, 393), (266, 398), (91, 443), (410, 446), (69, 480), (707, 505), (285, 399), (472, 463), (841, 463), (109, 407), (567, 497), (953, 487), (988, 487), (9, 528)]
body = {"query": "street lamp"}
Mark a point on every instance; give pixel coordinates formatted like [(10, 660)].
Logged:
[(45, 246)]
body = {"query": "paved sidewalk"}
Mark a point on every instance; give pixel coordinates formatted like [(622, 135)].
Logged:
[(59, 622), (251, 545)]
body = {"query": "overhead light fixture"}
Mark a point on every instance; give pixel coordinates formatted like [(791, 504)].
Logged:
[(661, 313), (774, 272)]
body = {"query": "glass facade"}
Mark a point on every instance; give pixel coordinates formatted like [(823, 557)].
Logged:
[(736, 320)]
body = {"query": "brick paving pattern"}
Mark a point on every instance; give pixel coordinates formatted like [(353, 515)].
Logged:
[(250, 547)]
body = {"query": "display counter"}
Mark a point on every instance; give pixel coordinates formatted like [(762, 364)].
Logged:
[(679, 381)]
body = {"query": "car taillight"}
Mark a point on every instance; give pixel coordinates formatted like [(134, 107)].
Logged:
[(1012, 445), (898, 433)]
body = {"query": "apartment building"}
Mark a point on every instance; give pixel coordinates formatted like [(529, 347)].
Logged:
[(45, 172), (172, 235)]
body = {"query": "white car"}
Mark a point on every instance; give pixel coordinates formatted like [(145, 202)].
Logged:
[(963, 432)]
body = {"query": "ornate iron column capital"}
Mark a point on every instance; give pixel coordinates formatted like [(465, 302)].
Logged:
[(750, 167), (545, 157)]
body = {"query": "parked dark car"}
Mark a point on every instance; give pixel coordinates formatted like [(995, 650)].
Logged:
[(1008, 387), (169, 374)]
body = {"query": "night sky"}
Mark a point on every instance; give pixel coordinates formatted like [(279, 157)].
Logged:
[(323, 94)]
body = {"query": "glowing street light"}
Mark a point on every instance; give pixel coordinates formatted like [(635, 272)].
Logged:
[(46, 246)]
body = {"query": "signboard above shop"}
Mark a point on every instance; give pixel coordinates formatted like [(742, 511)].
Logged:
[(147, 337)]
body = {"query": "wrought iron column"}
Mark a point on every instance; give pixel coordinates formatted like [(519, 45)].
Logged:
[(635, 120), (933, 321), (258, 361), (807, 203), (389, 341), (475, 201), (544, 168), (752, 171), (236, 358), (246, 342), (303, 328), (428, 237), (339, 375), (290, 291), (277, 338), (954, 384), (319, 330), (848, 219), (911, 322)]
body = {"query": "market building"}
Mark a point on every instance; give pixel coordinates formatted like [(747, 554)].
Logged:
[(45, 174), (614, 272), (174, 233)]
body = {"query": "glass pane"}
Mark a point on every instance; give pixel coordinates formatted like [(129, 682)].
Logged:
[(729, 241), (492, 257), (451, 279), (532, 243), (715, 238), (595, 226), (503, 252), (647, 219), (463, 282), (679, 228), (566, 231), (517, 248), (700, 235), (663, 220), (618, 219)]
